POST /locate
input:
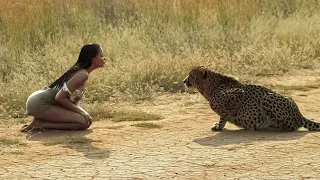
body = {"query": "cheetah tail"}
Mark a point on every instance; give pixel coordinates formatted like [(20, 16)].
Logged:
[(311, 125)]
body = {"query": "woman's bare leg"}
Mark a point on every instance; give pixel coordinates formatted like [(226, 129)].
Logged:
[(58, 118), (38, 124), (60, 126)]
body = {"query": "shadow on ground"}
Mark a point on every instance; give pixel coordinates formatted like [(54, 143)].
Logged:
[(233, 137), (75, 140)]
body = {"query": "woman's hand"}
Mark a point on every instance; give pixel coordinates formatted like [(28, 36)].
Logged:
[(87, 116)]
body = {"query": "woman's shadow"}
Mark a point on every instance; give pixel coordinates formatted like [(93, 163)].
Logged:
[(231, 137), (75, 140)]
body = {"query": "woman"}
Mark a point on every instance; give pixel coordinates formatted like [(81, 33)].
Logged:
[(57, 106)]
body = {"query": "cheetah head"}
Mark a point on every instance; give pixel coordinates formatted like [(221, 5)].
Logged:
[(196, 77), (205, 80)]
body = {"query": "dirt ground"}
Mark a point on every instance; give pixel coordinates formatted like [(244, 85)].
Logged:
[(183, 148)]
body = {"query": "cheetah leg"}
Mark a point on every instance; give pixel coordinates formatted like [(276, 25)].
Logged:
[(219, 126), (234, 98), (223, 120)]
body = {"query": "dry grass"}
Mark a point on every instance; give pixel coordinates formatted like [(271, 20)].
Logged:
[(296, 87), (150, 44), (12, 122), (53, 143), (147, 125), (134, 116), (288, 89), (104, 112), (70, 141), (9, 142)]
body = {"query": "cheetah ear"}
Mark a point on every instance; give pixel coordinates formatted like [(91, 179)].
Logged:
[(204, 72)]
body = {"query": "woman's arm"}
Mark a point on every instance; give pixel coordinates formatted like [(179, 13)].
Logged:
[(77, 81)]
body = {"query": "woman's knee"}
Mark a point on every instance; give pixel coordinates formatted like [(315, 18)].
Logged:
[(84, 125)]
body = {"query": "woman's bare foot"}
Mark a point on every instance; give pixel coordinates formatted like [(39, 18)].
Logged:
[(34, 125)]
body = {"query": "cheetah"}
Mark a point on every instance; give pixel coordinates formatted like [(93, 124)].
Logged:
[(248, 106)]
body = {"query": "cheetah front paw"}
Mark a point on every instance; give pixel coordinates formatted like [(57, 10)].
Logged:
[(216, 127)]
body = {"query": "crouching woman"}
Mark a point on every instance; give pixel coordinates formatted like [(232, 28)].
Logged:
[(57, 106)]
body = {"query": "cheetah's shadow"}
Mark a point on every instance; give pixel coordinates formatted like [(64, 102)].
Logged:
[(232, 137), (75, 140)]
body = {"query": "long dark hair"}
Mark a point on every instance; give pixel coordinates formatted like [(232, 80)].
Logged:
[(88, 51)]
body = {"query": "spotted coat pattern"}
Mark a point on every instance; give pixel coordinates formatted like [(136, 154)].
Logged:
[(248, 106)]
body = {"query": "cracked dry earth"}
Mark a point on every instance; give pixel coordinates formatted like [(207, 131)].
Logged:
[(184, 148)]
